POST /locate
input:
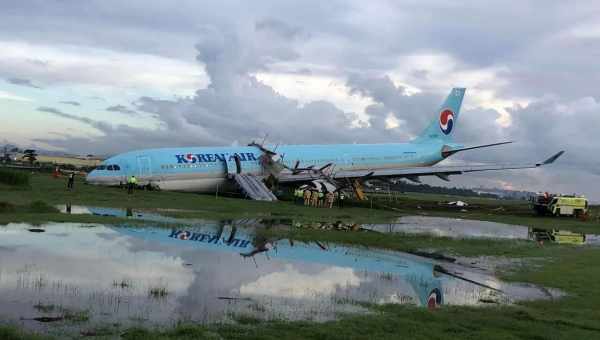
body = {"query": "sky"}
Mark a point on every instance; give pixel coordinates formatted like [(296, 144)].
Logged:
[(107, 76)]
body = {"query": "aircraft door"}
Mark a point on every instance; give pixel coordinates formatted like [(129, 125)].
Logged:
[(234, 165), (347, 161), (144, 166)]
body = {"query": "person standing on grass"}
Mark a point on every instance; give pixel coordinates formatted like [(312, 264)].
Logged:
[(306, 197), (131, 183), (314, 199), (298, 196), (329, 197), (71, 181), (341, 199), (321, 199)]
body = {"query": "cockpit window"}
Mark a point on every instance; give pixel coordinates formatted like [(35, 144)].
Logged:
[(111, 167)]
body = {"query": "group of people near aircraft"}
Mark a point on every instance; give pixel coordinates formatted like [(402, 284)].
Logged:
[(314, 198)]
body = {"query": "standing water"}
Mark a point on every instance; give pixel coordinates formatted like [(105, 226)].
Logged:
[(216, 271)]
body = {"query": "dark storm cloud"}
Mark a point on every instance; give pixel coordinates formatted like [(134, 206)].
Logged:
[(23, 82)]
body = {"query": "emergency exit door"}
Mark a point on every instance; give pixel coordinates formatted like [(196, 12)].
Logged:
[(234, 165)]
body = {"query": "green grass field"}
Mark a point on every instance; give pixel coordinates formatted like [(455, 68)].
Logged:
[(53, 191), (573, 269)]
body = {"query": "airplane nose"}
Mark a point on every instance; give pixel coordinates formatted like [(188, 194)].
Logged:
[(91, 177)]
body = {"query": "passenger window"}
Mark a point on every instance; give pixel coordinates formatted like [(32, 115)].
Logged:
[(110, 168), (116, 167), (101, 167)]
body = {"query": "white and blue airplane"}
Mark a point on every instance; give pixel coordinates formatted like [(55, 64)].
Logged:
[(208, 169)]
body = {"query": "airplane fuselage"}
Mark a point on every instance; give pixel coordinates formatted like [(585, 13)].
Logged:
[(205, 169)]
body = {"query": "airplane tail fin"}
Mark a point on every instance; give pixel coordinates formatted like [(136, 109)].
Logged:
[(443, 126)]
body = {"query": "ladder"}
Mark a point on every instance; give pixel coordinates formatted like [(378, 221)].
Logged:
[(254, 187)]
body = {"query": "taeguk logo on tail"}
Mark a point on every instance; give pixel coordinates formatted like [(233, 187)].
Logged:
[(446, 121)]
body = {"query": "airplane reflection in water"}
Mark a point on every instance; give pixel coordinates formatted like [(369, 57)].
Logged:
[(420, 281), (211, 271)]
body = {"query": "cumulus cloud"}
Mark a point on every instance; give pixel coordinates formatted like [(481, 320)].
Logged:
[(235, 106)]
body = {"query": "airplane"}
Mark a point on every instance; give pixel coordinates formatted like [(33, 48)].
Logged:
[(335, 166)]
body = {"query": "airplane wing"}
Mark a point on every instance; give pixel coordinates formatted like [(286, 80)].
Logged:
[(413, 173)]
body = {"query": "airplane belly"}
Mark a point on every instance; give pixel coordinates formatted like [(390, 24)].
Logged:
[(107, 180), (204, 185)]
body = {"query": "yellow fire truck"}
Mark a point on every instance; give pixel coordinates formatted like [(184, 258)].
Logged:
[(560, 205)]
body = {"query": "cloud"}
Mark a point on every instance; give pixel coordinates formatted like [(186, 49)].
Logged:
[(101, 126), (290, 283), (235, 106), (84, 65), (23, 82), (70, 102), (11, 96), (278, 27), (121, 109)]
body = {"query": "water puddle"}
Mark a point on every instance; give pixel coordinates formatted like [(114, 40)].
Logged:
[(119, 212), (451, 227), (214, 272), (460, 228), (425, 225)]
